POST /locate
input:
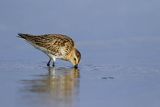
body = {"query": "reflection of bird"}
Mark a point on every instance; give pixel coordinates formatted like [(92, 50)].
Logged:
[(63, 80), (63, 72), (56, 46), (60, 86)]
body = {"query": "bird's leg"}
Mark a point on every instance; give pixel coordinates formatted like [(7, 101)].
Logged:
[(48, 64), (53, 64)]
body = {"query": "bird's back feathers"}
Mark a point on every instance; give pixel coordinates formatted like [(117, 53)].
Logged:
[(56, 44)]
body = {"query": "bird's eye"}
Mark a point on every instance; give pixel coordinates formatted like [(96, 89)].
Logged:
[(74, 59)]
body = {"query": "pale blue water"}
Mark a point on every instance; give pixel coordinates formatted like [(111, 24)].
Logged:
[(30, 84), (119, 42)]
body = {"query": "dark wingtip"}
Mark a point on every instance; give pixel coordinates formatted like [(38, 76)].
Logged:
[(21, 35)]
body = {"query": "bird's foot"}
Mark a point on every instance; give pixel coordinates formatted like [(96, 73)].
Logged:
[(48, 64), (53, 64)]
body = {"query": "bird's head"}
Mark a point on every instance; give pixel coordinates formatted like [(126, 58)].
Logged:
[(75, 57)]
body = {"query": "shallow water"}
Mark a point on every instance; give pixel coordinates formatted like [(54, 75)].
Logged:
[(30, 84)]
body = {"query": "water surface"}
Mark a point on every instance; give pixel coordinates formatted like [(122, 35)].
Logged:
[(34, 85)]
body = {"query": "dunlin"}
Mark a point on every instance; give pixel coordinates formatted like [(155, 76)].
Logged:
[(56, 46)]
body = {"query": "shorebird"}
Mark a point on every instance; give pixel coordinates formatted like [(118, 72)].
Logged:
[(55, 46)]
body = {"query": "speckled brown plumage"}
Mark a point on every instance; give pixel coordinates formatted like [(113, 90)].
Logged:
[(58, 45)]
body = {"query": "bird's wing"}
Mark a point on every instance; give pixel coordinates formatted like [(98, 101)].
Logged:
[(56, 44)]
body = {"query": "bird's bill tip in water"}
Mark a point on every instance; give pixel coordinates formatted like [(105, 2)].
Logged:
[(76, 66)]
